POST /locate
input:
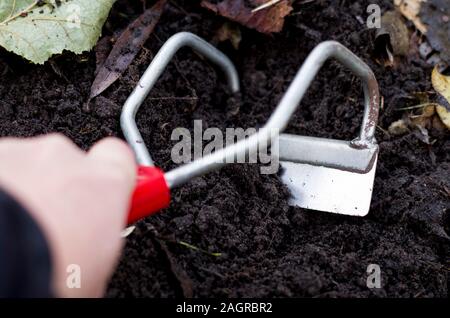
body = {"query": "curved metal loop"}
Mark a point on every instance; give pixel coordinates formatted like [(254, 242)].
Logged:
[(287, 106), (307, 73), (151, 75), (277, 121)]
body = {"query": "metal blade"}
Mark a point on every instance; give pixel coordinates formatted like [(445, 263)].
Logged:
[(328, 189)]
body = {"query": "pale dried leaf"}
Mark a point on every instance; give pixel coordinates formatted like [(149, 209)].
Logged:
[(444, 115), (441, 84), (398, 127), (411, 10), (392, 39), (231, 33), (37, 30)]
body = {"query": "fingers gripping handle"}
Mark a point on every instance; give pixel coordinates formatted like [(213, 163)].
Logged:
[(150, 195)]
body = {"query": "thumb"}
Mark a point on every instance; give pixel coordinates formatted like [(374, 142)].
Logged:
[(116, 153)]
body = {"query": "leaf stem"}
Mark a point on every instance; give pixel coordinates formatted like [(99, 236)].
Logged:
[(12, 9), (265, 5), (417, 106), (18, 14), (195, 248)]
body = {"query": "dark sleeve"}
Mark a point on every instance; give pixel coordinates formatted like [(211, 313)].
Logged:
[(25, 266)]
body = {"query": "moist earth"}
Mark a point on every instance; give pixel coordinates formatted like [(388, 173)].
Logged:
[(266, 248)]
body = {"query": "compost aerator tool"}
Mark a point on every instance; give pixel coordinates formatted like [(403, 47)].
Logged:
[(327, 174), (322, 174)]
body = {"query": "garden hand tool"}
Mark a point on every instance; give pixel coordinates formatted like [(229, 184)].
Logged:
[(152, 192), (327, 174)]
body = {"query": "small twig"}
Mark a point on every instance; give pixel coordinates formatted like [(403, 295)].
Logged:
[(418, 106), (195, 248), (211, 272), (177, 6), (383, 130), (178, 273), (57, 71), (173, 98), (265, 5), (445, 192), (5, 70)]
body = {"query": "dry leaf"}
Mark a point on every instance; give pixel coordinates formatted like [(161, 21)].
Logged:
[(425, 117), (102, 50), (392, 39), (125, 49), (268, 20), (229, 32), (423, 135), (441, 84), (444, 115), (398, 127), (411, 9), (431, 17)]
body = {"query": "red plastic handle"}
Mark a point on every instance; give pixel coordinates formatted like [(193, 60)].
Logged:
[(150, 195)]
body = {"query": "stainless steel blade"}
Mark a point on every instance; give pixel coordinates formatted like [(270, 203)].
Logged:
[(328, 189)]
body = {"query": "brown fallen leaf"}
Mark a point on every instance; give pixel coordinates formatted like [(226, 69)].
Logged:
[(230, 32), (392, 39), (444, 115), (427, 115), (424, 117), (125, 49), (399, 127), (267, 20), (102, 50), (431, 18), (420, 120)]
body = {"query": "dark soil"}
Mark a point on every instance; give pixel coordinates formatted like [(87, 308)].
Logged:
[(267, 248)]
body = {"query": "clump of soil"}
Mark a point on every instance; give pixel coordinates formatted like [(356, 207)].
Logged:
[(267, 248)]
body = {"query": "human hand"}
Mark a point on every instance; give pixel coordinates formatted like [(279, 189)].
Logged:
[(79, 199)]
